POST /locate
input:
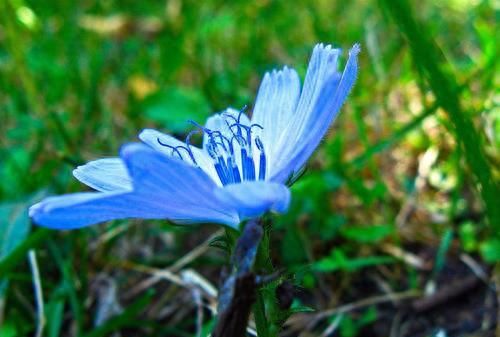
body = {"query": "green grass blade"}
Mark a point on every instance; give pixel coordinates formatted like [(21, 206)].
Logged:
[(437, 71)]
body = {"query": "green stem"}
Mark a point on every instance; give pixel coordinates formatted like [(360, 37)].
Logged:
[(263, 264), (259, 312)]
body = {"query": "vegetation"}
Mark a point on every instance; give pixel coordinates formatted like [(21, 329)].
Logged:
[(394, 229)]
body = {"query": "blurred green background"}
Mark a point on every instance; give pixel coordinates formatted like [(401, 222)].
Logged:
[(402, 191)]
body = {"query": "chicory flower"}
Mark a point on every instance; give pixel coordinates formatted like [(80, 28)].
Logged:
[(241, 170)]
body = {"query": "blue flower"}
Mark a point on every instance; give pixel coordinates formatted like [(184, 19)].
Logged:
[(241, 171)]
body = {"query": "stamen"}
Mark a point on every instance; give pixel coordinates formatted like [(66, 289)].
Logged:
[(221, 147), (241, 141), (247, 165), (175, 150), (236, 173), (188, 145), (222, 139), (255, 125), (241, 112), (224, 170), (262, 159), (213, 134), (201, 127), (244, 127)]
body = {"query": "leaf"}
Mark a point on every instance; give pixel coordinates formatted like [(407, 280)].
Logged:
[(490, 250), (8, 330), (468, 236), (366, 234), (444, 246), (174, 107), (14, 227), (33, 240), (298, 308), (339, 261), (55, 310)]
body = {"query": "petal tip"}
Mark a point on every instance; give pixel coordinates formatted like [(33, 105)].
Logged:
[(355, 50), (130, 149)]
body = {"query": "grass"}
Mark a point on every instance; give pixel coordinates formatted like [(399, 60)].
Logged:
[(80, 79)]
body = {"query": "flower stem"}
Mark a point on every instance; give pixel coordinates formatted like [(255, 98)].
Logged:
[(263, 265)]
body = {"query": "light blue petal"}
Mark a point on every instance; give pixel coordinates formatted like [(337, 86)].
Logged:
[(275, 107), (82, 209), (203, 160), (104, 175), (254, 198), (321, 112), (163, 188)]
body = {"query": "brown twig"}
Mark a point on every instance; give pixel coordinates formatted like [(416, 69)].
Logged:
[(312, 319), (447, 293), (233, 321)]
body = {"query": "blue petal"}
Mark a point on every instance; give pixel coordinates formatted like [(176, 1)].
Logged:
[(254, 198), (322, 103), (275, 107), (203, 160), (82, 209), (104, 175), (163, 188)]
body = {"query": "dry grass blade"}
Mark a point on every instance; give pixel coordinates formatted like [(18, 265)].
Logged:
[(37, 285)]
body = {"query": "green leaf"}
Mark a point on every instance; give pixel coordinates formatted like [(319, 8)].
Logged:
[(490, 250), (20, 251), (468, 236), (339, 261), (174, 107), (347, 326), (8, 330), (444, 246), (298, 308), (14, 227), (367, 234), (55, 310)]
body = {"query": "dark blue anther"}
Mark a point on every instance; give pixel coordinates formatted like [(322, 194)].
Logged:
[(229, 170), (262, 166), (220, 165), (262, 159), (236, 174), (244, 168), (247, 165), (220, 172), (251, 168), (228, 174)]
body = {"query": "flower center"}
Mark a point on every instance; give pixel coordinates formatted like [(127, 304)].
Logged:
[(232, 154)]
